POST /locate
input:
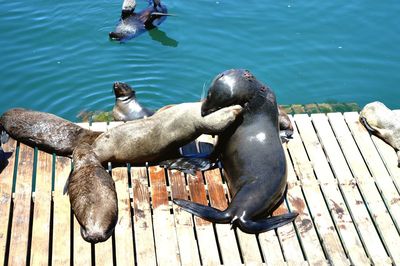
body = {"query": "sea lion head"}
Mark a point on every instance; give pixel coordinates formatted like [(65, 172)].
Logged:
[(376, 116), (122, 89), (231, 87)]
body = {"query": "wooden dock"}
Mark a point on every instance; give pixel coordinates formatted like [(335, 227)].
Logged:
[(344, 184)]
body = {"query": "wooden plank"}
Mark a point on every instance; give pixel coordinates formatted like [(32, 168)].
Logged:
[(226, 237), (188, 250), (82, 249), (376, 166), (204, 229), (305, 229), (390, 159), (366, 184), (143, 225), (6, 180), (22, 207), (123, 231), (348, 185), (62, 214), (337, 205), (164, 231), (314, 198), (271, 248), (41, 214)]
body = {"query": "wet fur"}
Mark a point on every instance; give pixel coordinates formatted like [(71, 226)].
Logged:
[(92, 196), (46, 131), (252, 156)]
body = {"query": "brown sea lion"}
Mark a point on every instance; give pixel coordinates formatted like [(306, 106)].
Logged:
[(46, 131), (92, 195), (160, 136), (384, 123)]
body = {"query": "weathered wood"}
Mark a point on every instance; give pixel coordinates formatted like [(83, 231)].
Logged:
[(305, 228), (336, 203), (366, 184), (41, 215), (22, 207), (226, 237), (123, 230), (6, 180), (204, 229), (143, 224), (82, 249), (348, 184), (315, 200), (375, 166), (62, 214), (188, 251), (164, 231)]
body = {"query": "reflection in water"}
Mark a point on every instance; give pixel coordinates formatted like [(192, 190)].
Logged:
[(161, 37)]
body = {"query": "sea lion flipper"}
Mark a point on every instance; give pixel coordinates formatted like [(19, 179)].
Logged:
[(189, 165), (260, 226), (4, 137), (206, 212)]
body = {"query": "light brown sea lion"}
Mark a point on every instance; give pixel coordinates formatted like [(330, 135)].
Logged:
[(92, 195), (159, 137), (384, 123), (46, 131)]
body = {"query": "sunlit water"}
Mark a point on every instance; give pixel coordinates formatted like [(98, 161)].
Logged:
[(56, 57)]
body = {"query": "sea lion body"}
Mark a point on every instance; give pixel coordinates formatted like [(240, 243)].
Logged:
[(132, 24), (126, 106), (251, 153), (46, 131), (92, 195), (384, 123), (159, 137)]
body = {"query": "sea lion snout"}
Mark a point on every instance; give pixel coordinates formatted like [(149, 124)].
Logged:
[(95, 234)]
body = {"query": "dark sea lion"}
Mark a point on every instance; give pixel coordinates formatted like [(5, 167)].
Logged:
[(251, 153), (126, 106), (132, 24), (46, 131), (160, 136), (92, 195), (384, 123)]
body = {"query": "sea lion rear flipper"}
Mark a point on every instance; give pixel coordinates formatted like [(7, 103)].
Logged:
[(189, 165), (260, 226), (206, 212)]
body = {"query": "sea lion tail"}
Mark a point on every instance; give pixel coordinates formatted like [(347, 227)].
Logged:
[(263, 225), (206, 212)]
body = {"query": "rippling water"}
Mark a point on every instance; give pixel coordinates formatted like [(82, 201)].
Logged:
[(56, 57)]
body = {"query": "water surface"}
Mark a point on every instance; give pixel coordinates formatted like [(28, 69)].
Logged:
[(56, 56)]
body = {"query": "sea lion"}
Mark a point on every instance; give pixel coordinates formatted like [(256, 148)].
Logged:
[(132, 24), (384, 123), (251, 153), (46, 131), (126, 106), (92, 195), (160, 136)]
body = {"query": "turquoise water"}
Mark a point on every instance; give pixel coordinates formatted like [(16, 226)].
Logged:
[(56, 57)]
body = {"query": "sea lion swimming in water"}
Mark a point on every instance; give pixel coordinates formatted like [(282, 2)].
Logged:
[(132, 24), (384, 123), (126, 106), (251, 153), (46, 131), (92, 195)]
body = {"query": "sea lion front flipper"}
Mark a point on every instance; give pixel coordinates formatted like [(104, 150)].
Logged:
[(263, 225), (367, 126), (4, 137), (206, 212), (398, 158), (189, 165)]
